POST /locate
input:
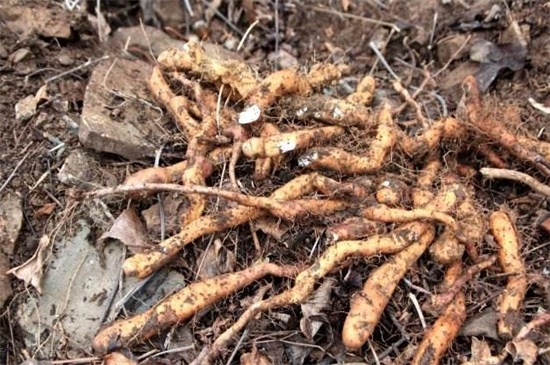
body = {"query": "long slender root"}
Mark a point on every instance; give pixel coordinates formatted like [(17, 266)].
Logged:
[(182, 305), (440, 335), (341, 161), (367, 307), (506, 236)]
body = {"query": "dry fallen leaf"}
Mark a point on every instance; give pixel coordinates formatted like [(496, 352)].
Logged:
[(313, 309), (481, 354), (129, 230), (216, 260), (482, 324), (524, 350), (254, 358), (44, 210), (32, 271)]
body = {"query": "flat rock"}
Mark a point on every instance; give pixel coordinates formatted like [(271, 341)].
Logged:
[(115, 118), (76, 294), (25, 108)]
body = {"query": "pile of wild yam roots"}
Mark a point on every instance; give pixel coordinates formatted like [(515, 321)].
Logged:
[(395, 196)]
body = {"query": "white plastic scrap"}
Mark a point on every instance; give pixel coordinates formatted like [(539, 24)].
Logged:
[(250, 114)]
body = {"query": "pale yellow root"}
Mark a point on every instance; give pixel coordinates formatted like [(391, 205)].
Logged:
[(181, 306), (178, 106), (511, 300), (341, 161), (144, 264), (353, 228), (193, 59), (265, 166), (440, 335), (277, 84), (329, 110), (447, 249), (422, 193), (366, 307), (446, 128), (391, 192), (304, 285), (279, 144), (383, 213), (364, 92), (196, 173)]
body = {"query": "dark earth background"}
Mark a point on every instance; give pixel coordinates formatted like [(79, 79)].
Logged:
[(36, 201)]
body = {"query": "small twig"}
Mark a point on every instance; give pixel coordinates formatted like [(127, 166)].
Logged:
[(14, 171), (540, 320), (77, 68), (355, 17), (533, 183), (380, 56), (416, 305)]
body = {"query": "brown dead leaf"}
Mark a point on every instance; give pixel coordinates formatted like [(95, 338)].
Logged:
[(481, 354), (271, 227), (524, 350), (44, 210), (129, 230), (482, 324), (254, 358), (313, 309), (32, 271), (116, 358), (216, 260)]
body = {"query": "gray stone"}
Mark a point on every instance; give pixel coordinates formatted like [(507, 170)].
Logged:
[(76, 294), (126, 129)]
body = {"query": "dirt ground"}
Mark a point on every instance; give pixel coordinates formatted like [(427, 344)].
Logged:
[(417, 39)]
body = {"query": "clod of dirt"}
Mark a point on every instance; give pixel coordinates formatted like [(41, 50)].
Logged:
[(117, 116), (5, 284), (11, 220), (76, 292), (25, 108), (82, 171), (52, 23)]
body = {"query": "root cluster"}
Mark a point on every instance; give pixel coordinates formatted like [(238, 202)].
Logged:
[(390, 193)]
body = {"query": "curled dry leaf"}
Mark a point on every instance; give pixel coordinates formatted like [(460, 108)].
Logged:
[(481, 354), (524, 350), (254, 358), (32, 271), (129, 230), (216, 260), (314, 307)]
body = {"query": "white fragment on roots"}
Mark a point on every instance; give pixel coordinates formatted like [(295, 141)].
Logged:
[(287, 146), (300, 112), (386, 184), (250, 114), (337, 113), (307, 159)]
